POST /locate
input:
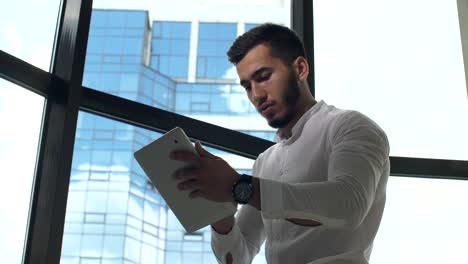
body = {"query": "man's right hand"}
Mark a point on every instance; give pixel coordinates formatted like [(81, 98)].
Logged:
[(224, 225)]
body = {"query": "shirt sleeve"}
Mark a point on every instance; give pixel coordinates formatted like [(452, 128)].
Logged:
[(357, 160), (244, 239)]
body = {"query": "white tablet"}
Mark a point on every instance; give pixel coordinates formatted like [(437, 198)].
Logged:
[(154, 159)]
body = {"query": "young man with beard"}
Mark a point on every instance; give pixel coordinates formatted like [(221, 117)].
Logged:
[(316, 196)]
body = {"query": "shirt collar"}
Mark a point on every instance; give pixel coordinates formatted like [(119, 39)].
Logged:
[(297, 128)]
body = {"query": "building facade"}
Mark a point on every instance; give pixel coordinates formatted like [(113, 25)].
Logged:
[(114, 214)]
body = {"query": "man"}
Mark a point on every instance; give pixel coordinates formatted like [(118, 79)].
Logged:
[(316, 196)]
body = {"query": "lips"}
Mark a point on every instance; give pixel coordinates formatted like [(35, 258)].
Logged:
[(266, 108)]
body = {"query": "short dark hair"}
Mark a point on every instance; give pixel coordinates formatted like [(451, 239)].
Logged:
[(284, 43)]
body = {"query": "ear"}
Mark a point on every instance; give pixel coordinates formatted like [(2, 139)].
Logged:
[(301, 66)]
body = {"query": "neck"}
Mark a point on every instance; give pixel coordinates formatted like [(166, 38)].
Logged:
[(301, 109)]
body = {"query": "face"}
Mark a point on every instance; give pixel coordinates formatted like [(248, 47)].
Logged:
[(271, 85)]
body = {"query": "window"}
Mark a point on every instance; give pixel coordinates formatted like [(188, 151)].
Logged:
[(424, 222), (110, 197), (250, 26), (182, 49), (170, 48), (113, 215), (213, 42), (406, 73), (21, 115), (31, 40)]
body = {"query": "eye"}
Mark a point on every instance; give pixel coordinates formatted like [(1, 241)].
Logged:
[(245, 84), (264, 76)]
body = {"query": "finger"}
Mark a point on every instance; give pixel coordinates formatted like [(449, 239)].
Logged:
[(186, 156), (196, 194), (188, 185), (203, 152), (186, 173)]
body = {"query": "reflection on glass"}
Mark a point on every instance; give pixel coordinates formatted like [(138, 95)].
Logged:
[(406, 73), (113, 211), (21, 115), (170, 48), (177, 62), (31, 40), (174, 61), (214, 40)]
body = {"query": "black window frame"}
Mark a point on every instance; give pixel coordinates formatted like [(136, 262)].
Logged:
[(65, 97)]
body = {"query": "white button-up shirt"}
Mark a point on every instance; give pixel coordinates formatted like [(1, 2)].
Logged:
[(333, 169)]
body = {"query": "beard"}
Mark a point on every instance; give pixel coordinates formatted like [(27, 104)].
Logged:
[(290, 98)]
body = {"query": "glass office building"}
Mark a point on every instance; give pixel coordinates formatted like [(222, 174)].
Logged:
[(114, 214)]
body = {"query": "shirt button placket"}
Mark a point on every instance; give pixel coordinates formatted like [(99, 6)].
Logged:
[(284, 158)]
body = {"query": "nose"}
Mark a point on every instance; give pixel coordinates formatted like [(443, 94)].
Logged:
[(258, 93)]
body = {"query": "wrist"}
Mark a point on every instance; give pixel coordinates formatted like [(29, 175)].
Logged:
[(242, 189)]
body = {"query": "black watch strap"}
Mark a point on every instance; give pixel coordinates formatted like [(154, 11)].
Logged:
[(246, 178)]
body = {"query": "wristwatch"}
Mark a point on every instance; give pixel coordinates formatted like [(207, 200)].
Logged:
[(242, 190)]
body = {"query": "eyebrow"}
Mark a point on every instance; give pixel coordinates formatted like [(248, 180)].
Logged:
[(255, 74)]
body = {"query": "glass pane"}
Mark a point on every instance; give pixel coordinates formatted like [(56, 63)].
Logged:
[(114, 213), (160, 41), (406, 73), (28, 29), (213, 41), (424, 222), (171, 43), (21, 115)]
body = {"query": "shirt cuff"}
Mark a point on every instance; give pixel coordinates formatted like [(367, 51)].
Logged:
[(271, 198), (224, 243)]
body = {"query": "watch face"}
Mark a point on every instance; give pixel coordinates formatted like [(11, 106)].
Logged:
[(243, 192)]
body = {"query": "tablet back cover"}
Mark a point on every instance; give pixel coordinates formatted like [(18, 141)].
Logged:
[(153, 158)]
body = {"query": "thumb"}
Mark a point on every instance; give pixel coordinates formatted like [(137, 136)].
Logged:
[(203, 152)]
